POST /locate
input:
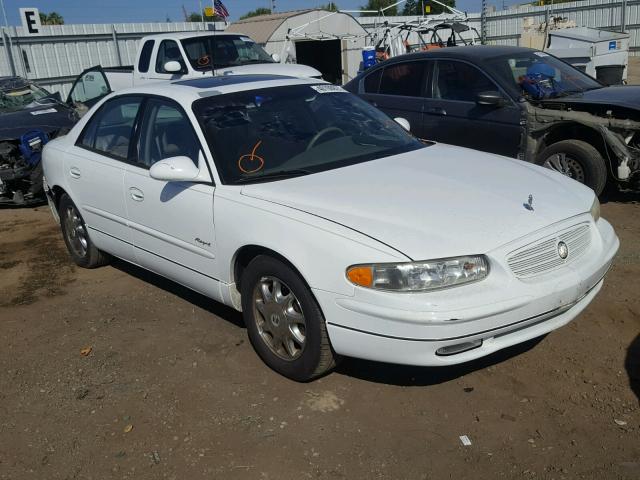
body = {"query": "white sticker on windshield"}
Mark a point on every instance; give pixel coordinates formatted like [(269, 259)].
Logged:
[(246, 39), (328, 89), (541, 54), (43, 112)]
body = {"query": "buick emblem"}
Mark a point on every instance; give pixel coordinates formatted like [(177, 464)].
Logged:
[(529, 204), (563, 250)]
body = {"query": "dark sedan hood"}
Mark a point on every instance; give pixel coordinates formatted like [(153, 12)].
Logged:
[(48, 119), (627, 96)]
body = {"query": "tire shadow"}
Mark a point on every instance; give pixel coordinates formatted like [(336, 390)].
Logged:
[(410, 376), (201, 301), (632, 366)]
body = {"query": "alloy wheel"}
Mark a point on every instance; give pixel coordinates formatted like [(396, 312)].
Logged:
[(279, 318), (76, 231)]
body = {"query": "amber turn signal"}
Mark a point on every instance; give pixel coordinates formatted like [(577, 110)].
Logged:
[(362, 275)]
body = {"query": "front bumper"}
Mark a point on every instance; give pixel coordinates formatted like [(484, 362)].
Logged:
[(500, 311)]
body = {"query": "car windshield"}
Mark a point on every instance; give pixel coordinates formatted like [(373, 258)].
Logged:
[(538, 75), (228, 50), (279, 132), (22, 95)]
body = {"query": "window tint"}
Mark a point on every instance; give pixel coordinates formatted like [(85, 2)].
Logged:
[(145, 56), (403, 79), (168, 51), (372, 82), (111, 129), (460, 81), (165, 132)]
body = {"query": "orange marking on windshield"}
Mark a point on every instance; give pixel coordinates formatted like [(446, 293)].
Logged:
[(251, 157)]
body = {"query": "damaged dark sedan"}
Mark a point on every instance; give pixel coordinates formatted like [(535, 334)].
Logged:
[(516, 102), (29, 117)]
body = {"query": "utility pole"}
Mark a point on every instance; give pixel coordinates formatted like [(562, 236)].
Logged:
[(273, 6)]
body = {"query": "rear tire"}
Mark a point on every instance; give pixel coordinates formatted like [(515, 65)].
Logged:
[(76, 236), (284, 322), (578, 160)]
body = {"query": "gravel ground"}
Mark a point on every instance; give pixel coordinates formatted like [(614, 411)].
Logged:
[(117, 373)]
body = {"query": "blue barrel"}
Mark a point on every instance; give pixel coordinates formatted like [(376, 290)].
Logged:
[(368, 57)]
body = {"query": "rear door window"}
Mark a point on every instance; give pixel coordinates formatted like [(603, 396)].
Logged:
[(371, 82), (406, 79), (145, 56), (110, 131)]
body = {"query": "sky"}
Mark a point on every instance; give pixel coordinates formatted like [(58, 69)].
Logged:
[(126, 11)]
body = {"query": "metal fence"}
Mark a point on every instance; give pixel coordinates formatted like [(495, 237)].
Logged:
[(61, 52), (505, 26)]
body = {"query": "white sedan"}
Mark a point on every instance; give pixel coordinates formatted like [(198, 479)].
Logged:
[(331, 228)]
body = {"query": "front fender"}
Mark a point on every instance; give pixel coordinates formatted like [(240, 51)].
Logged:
[(318, 248)]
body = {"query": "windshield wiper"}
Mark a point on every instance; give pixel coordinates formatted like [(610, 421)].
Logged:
[(273, 176)]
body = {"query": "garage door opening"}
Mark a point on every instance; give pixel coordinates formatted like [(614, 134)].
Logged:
[(323, 55)]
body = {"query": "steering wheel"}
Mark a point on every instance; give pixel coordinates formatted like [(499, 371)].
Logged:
[(322, 133)]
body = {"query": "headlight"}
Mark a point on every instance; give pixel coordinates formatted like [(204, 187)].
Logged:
[(420, 276), (595, 209)]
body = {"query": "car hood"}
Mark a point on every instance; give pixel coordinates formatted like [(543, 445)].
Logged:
[(627, 96), (287, 69), (436, 202), (48, 119)]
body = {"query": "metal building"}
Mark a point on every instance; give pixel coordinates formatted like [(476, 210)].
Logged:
[(328, 41)]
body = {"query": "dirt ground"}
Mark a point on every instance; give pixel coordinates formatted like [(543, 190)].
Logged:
[(172, 389)]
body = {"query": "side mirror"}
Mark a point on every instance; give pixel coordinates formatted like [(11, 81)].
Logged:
[(403, 122), (276, 57), (490, 98), (175, 169), (172, 67)]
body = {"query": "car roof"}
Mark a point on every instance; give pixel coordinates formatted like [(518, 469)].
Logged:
[(183, 35), (187, 91), (469, 52)]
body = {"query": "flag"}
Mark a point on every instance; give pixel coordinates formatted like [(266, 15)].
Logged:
[(220, 9)]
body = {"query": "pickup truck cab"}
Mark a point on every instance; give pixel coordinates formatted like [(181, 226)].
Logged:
[(180, 56)]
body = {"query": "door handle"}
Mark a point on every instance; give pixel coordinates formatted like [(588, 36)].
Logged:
[(136, 194), (74, 172), (437, 111)]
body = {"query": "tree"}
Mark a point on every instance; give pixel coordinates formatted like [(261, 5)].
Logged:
[(331, 7), (52, 18), (412, 7), (437, 9), (377, 5), (198, 17), (255, 13)]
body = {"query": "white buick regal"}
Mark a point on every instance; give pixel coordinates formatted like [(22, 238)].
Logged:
[(330, 227)]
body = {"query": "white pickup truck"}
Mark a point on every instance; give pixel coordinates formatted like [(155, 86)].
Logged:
[(180, 56)]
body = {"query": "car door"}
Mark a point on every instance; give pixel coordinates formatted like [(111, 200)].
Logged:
[(95, 167), (167, 51), (453, 115), (398, 90), (171, 222), (88, 89)]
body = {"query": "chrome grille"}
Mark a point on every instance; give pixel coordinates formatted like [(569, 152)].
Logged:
[(542, 255)]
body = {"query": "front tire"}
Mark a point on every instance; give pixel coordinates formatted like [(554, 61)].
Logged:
[(284, 322), (76, 236), (578, 160)]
